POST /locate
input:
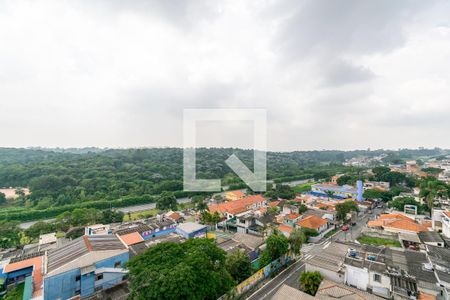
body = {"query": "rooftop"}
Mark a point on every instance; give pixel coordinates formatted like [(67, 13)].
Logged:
[(312, 222), (238, 206), (190, 227)]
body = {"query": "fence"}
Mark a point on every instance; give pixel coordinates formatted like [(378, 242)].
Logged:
[(256, 278)]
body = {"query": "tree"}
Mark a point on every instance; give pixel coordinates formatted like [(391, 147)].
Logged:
[(310, 282), (276, 245), (194, 269), (39, 228), (346, 179), (342, 209), (9, 234), (296, 240), (373, 194), (111, 216), (166, 200), (2, 198), (400, 202), (238, 265)]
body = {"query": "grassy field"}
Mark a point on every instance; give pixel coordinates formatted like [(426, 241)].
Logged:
[(368, 240), (140, 215), (301, 188)]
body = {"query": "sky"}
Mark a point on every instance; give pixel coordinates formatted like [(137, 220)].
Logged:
[(330, 74)]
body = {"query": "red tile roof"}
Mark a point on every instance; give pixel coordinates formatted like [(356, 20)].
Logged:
[(237, 193), (274, 203), (36, 263), (312, 222), (131, 238), (285, 228), (237, 206), (293, 216), (397, 222), (174, 216)]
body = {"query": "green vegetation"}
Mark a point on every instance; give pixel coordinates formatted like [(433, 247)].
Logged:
[(400, 202), (238, 265), (310, 282), (143, 214), (302, 188), (342, 209), (276, 245), (296, 240), (368, 240), (15, 294), (347, 179), (330, 233), (191, 270)]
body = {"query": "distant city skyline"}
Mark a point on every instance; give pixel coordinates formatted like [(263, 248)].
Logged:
[(331, 75)]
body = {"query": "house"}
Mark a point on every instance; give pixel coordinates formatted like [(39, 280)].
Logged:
[(285, 229), (292, 218), (234, 195), (174, 216), (230, 209), (313, 222), (290, 209), (366, 270), (191, 230), (329, 262), (251, 242), (97, 229), (84, 266), (431, 238), (397, 223), (446, 224), (377, 185)]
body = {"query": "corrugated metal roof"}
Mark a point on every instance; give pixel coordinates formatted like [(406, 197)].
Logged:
[(65, 254), (105, 242)]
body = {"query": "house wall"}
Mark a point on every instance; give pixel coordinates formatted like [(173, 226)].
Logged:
[(445, 226), (382, 288), (357, 277), (327, 274), (147, 235)]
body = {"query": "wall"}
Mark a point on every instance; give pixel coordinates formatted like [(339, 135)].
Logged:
[(327, 274), (356, 277), (382, 288), (61, 285)]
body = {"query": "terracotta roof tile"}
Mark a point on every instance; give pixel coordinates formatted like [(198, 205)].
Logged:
[(293, 216), (237, 206), (285, 228), (131, 238), (312, 222)]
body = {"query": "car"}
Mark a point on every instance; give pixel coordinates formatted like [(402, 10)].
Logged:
[(345, 227)]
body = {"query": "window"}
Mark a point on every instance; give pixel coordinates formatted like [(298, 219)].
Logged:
[(377, 277), (98, 277), (117, 264), (78, 278)]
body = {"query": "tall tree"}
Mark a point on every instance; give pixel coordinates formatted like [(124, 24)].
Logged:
[(342, 209), (276, 245), (238, 265), (2, 198), (296, 240), (191, 270), (310, 281), (166, 200)]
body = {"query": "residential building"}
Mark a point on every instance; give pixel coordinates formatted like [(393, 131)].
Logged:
[(377, 185), (84, 266), (292, 218), (446, 224), (329, 262), (431, 238), (397, 223), (234, 195), (328, 290), (97, 229), (285, 229), (230, 209), (191, 230), (313, 222)]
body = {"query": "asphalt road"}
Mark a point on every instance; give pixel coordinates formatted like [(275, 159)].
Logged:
[(290, 275)]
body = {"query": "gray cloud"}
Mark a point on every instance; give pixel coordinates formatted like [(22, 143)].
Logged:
[(347, 74)]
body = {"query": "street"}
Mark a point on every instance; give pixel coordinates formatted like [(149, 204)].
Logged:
[(291, 274)]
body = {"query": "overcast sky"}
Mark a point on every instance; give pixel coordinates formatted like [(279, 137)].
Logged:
[(331, 74)]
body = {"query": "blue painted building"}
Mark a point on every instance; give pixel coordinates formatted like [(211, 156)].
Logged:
[(338, 192), (84, 266)]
